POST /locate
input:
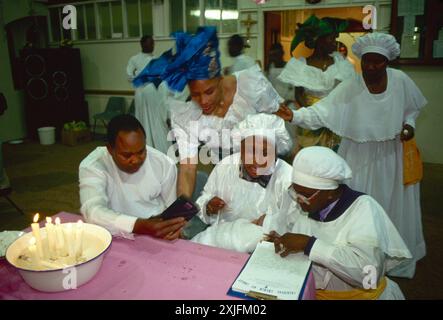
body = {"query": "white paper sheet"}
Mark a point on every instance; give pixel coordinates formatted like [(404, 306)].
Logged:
[(266, 272)]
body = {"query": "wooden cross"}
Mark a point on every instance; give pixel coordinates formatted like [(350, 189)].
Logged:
[(248, 23)]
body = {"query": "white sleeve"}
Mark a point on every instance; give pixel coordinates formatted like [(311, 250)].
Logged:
[(209, 192), (94, 203), (256, 89), (169, 184), (415, 101), (130, 68), (348, 261), (308, 118), (183, 116)]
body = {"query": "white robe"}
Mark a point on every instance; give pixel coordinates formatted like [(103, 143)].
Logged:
[(370, 125), (241, 62), (245, 201), (362, 236), (254, 94), (114, 199), (150, 105), (285, 90)]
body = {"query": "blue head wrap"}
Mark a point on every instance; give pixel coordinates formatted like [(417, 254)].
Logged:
[(197, 58)]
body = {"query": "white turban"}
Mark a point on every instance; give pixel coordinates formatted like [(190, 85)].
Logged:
[(319, 168), (382, 43), (264, 125)]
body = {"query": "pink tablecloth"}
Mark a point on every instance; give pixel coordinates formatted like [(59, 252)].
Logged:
[(148, 268)]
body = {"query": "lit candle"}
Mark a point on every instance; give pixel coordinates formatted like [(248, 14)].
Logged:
[(79, 239), (35, 259), (36, 233), (50, 233), (70, 240), (60, 243)]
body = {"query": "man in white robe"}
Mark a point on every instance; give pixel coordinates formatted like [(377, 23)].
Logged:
[(150, 101), (374, 113), (345, 233), (124, 185), (246, 187)]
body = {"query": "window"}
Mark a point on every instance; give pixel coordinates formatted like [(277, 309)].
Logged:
[(103, 20), (55, 24), (176, 15), (192, 15), (186, 15)]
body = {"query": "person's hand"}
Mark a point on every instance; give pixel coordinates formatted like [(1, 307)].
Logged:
[(407, 133), (259, 221), (214, 205), (290, 243), (285, 113), (159, 228)]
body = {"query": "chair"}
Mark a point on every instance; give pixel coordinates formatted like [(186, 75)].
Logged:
[(5, 194), (200, 182), (114, 107), (131, 109)]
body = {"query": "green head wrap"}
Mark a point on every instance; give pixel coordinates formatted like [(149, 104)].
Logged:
[(313, 28)]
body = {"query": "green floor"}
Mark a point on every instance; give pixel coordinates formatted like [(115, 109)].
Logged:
[(45, 180)]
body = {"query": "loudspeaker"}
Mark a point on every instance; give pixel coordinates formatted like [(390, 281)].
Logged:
[(53, 86)]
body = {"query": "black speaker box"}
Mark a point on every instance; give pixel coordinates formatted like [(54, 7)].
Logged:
[(53, 86)]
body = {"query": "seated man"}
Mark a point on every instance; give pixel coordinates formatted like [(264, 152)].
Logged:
[(346, 234), (245, 186), (124, 185)]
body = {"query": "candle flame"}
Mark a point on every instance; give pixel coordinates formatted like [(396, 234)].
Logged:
[(48, 219), (79, 223), (57, 220), (36, 217), (32, 241)]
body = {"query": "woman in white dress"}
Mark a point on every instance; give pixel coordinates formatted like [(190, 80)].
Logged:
[(316, 76), (217, 102), (373, 113)]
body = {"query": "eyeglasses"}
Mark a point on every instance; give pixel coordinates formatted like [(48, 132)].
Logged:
[(301, 198)]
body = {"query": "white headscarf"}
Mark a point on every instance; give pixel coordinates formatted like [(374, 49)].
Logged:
[(382, 43), (264, 125), (319, 168)]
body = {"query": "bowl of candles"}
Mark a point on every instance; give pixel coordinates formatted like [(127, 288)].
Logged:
[(59, 256)]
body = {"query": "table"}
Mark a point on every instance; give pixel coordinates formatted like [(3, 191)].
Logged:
[(148, 268)]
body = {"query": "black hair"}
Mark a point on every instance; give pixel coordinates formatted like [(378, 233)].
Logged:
[(237, 40), (123, 122), (145, 37)]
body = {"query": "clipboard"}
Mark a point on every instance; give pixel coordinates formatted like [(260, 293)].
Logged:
[(254, 295)]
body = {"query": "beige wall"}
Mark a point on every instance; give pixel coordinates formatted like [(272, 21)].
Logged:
[(429, 124)]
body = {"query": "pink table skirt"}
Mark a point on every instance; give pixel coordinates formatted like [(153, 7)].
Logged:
[(148, 268)]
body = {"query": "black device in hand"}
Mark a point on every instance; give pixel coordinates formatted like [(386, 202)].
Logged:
[(182, 207)]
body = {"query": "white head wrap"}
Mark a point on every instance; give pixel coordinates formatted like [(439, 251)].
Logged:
[(268, 126), (319, 168), (382, 43)]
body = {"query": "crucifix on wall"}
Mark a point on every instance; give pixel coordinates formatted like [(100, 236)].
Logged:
[(248, 23)]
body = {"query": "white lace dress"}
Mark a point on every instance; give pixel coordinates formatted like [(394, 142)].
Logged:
[(254, 94)]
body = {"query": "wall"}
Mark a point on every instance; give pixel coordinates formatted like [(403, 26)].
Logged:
[(429, 124), (12, 122)]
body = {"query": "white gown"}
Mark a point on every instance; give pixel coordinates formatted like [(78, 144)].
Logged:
[(241, 62), (363, 235), (150, 105), (245, 201), (369, 125), (316, 82), (254, 94)]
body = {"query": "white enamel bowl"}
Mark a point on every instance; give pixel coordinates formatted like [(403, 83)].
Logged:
[(97, 240)]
